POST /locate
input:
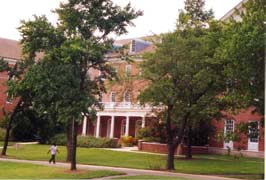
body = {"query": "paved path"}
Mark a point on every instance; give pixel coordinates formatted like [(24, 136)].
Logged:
[(128, 171)]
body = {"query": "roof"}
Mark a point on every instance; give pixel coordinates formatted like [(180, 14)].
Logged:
[(232, 12), (10, 49)]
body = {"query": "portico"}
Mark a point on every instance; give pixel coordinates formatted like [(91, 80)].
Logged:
[(115, 124)]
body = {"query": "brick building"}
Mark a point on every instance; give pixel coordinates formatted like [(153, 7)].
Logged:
[(122, 114), (10, 51)]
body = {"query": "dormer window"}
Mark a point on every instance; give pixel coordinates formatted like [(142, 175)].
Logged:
[(112, 96), (127, 96), (133, 46)]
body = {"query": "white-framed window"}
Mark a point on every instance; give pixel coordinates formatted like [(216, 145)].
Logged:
[(123, 127), (112, 96), (127, 96), (128, 69), (229, 126), (253, 131)]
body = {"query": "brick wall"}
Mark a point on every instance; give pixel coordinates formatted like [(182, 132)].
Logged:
[(243, 116), (162, 148)]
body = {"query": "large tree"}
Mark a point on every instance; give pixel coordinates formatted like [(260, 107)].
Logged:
[(60, 83), (243, 51), (185, 79)]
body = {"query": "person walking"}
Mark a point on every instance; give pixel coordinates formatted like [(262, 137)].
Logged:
[(53, 149)]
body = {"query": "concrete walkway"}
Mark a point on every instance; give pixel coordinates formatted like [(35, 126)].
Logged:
[(128, 171)]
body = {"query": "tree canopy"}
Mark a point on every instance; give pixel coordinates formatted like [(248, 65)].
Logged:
[(185, 78), (59, 82), (243, 51)]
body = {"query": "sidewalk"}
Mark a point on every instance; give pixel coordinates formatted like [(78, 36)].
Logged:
[(128, 171)]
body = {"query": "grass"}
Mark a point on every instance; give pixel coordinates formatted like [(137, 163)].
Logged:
[(11, 170), (201, 164), (9, 143), (140, 177)]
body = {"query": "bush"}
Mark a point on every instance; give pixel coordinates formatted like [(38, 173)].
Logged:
[(127, 141), (86, 141), (93, 142), (59, 139), (2, 134), (149, 134)]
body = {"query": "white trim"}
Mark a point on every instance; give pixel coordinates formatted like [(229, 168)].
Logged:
[(127, 126), (254, 146), (84, 127), (230, 143), (98, 123), (112, 127)]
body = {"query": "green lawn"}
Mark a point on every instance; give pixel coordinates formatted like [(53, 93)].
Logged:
[(201, 164), (10, 170), (140, 177), (9, 143)]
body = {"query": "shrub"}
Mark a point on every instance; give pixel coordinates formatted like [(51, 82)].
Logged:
[(59, 139), (93, 142), (86, 141), (148, 134), (127, 141)]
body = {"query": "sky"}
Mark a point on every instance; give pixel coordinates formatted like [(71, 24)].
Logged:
[(159, 15)]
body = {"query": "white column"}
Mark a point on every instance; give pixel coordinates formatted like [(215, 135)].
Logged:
[(112, 127), (84, 127), (98, 123), (127, 126), (143, 122)]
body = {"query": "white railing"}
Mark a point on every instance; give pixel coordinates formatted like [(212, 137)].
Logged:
[(124, 105)]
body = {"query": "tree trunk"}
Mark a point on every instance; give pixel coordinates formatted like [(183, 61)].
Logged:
[(189, 145), (171, 156), (8, 128), (69, 142), (73, 145)]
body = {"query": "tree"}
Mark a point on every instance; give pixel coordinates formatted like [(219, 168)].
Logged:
[(60, 83), (243, 51), (13, 73), (185, 79)]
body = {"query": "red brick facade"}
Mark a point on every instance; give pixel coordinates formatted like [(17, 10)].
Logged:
[(243, 116)]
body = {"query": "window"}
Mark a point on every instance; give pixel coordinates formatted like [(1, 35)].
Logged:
[(128, 70), (229, 126), (133, 46), (253, 132), (112, 96), (127, 96)]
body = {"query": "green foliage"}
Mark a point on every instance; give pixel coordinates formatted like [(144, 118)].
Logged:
[(194, 14), (59, 84), (154, 133), (93, 142), (243, 50), (86, 141), (59, 139)]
